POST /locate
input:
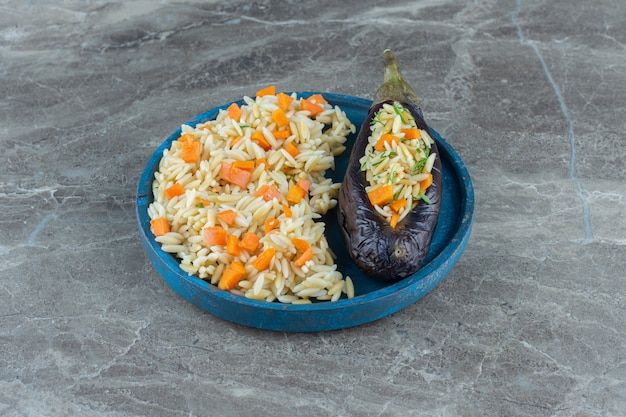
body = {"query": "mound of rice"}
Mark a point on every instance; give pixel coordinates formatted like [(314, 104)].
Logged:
[(191, 194)]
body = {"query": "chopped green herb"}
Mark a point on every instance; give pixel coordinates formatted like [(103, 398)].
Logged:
[(200, 205), (392, 175), (398, 109), (425, 198)]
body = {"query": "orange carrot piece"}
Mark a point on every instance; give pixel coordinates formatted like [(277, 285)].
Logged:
[(292, 149), (204, 127), (262, 161), (393, 221), (174, 191), (236, 140), (287, 210), (186, 137), (234, 112), (284, 101), (235, 175), (267, 91), (249, 242), (281, 134), (215, 235), (240, 177), (411, 133), (398, 204), (304, 184), (190, 152), (301, 244), (245, 165), (386, 138), (305, 248), (227, 216), (259, 138), (225, 170), (317, 99), (313, 108), (381, 196), (426, 183), (263, 260), (232, 245), (295, 194), (280, 117), (268, 192), (231, 276), (159, 226), (203, 202), (270, 224), (307, 255)]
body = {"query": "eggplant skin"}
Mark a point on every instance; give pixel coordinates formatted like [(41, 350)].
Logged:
[(379, 250)]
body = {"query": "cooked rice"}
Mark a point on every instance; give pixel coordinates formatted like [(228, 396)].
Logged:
[(403, 163), (206, 193)]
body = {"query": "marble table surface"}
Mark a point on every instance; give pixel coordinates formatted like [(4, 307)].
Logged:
[(531, 321)]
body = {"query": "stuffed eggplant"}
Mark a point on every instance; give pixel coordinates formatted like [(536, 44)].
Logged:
[(390, 197)]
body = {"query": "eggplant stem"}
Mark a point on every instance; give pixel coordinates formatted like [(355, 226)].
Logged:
[(394, 85)]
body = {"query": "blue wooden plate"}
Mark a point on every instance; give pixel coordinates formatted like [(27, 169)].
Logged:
[(373, 299)]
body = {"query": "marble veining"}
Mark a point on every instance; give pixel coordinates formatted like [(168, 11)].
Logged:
[(529, 323)]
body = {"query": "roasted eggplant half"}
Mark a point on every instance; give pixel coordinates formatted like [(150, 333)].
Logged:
[(390, 197)]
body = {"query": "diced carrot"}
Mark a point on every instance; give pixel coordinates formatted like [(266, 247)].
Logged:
[(205, 127), (236, 140), (411, 133), (398, 204), (281, 134), (174, 191), (280, 117), (305, 248), (235, 175), (259, 138), (301, 244), (249, 242), (268, 192), (225, 170), (227, 216), (203, 202), (262, 261), (380, 196), (270, 224), (306, 256), (190, 152), (231, 276), (284, 101), (245, 165), (159, 226), (267, 91), (240, 177), (385, 138), (427, 182), (292, 149), (317, 99), (311, 107), (295, 194), (262, 161), (287, 210), (393, 221), (234, 112), (232, 245), (215, 235), (304, 184), (186, 137)]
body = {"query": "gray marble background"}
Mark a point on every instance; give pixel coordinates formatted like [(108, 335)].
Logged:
[(531, 93)]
